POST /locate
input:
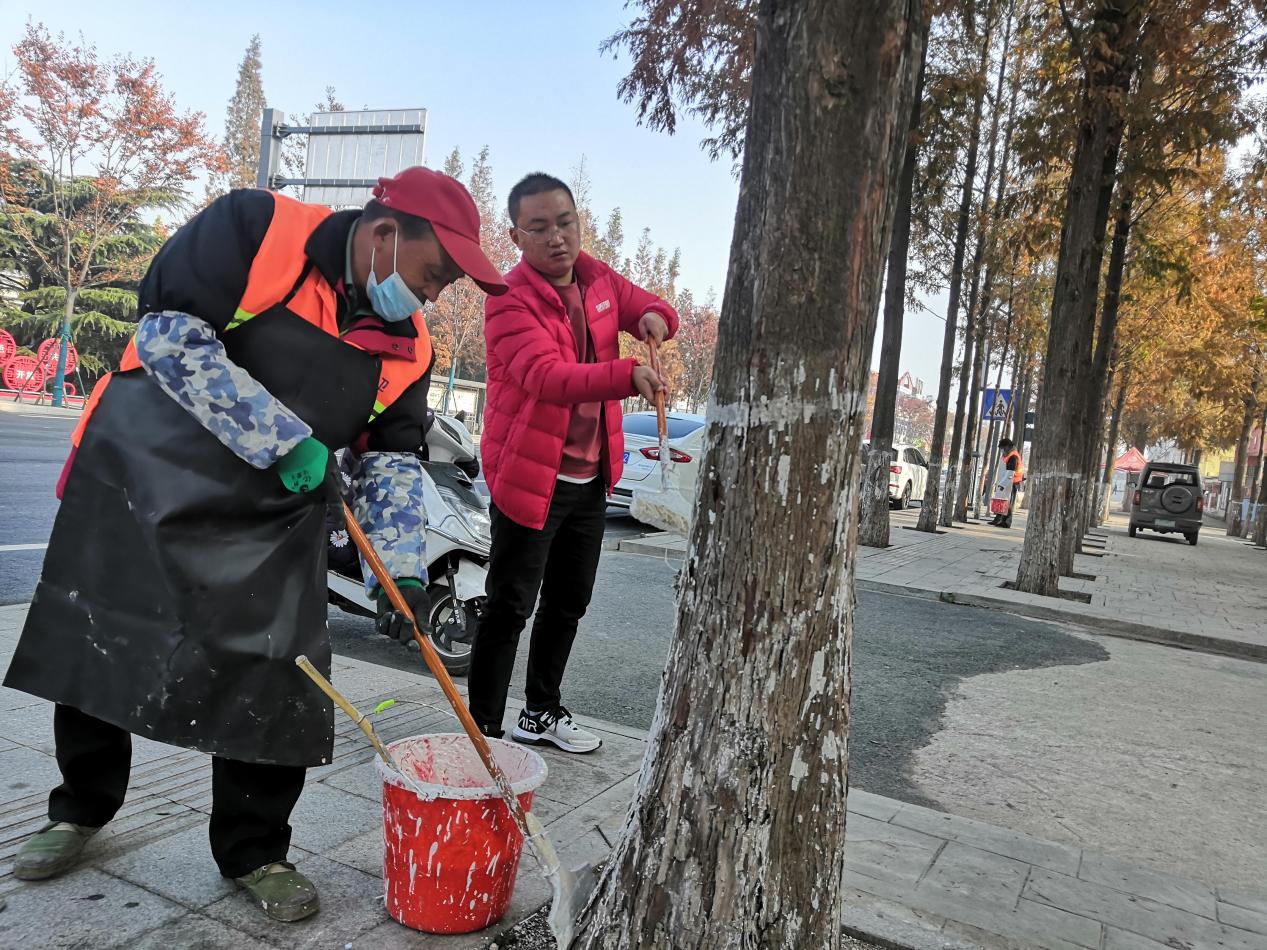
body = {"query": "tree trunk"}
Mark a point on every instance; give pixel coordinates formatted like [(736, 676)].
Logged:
[(737, 831), (929, 509), (68, 313), (1057, 478), (1106, 350), (873, 529), (1110, 455), (1255, 484), (1260, 524), (989, 461), (1234, 526), (1027, 394), (1094, 475), (972, 436), (946, 510), (1086, 437)]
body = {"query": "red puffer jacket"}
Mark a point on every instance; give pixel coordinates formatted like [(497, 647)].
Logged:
[(534, 379)]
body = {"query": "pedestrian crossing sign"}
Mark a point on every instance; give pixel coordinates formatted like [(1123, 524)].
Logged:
[(995, 404)]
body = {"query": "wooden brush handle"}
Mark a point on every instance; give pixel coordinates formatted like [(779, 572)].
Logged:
[(436, 665), (662, 424), (353, 713)]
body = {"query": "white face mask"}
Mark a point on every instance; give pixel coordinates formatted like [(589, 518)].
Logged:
[(392, 299)]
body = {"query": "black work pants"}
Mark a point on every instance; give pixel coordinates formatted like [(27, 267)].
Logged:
[(559, 561), (250, 802)]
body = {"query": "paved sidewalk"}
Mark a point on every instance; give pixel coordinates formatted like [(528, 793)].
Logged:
[(917, 878), (1211, 597), (29, 407)]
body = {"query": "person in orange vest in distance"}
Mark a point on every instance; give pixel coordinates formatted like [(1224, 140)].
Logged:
[(1009, 471), (186, 568)]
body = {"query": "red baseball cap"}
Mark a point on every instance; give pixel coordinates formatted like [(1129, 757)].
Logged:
[(456, 221)]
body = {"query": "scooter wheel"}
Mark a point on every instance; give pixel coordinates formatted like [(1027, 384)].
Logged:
[(452, 638)]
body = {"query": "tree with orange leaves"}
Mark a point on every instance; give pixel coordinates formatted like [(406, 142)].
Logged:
[(79, 119)]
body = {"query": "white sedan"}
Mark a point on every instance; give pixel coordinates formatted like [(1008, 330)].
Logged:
[(642, 454)]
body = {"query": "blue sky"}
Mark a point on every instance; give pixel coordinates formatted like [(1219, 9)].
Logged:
[(526, 79)]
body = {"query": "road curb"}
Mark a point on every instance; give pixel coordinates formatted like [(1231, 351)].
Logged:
[(1124, 629), (653, 549)]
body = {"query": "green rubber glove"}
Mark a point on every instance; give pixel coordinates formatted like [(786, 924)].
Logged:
[(303, 469)]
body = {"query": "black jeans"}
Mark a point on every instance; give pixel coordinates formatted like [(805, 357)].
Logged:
[(560, 561), (250, 802)]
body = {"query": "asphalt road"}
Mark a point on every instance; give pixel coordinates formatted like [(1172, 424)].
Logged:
[(909, 654), (32, 452)]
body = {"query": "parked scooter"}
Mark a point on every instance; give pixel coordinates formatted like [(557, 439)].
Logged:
[(449, 440), (459, 537)]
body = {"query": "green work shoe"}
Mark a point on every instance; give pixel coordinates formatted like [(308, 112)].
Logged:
[(52, 850), (283, 892)]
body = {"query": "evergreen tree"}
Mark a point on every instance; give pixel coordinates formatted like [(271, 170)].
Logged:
[(242, 125)]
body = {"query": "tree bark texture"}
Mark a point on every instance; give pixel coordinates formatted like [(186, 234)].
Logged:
[(929, 508), (1057, 479), (736, 835), (873, 529)]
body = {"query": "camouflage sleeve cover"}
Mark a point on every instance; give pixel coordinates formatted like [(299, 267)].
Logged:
[(388, 502), (182, 354)]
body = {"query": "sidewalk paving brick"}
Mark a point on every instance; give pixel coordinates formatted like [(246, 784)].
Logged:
[(1243, 919), (914, 878), (1011, 844), (1139, 915), (1168, 889)]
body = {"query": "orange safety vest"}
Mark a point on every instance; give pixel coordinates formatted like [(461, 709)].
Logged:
[(278, 265), (1017, 475)]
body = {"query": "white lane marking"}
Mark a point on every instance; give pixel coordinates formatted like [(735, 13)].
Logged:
[(8, 548)]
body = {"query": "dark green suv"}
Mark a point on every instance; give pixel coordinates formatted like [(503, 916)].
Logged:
[(1168, 500)]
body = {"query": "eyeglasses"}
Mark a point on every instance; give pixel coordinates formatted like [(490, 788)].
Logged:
[(547, 234)]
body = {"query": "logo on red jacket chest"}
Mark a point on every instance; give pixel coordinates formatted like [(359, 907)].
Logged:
[(602, 305)]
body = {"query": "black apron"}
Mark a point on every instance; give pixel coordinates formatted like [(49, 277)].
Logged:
[(180, 583)]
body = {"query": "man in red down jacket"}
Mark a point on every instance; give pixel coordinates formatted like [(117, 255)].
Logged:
[(553, 447)]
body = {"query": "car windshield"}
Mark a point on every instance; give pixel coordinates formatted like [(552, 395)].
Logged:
[(644, 424), (1160, 479)]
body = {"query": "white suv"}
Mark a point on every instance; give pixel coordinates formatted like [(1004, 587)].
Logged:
[(908, 476)]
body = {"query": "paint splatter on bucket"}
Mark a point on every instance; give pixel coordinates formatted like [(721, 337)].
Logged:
[(452, 849)]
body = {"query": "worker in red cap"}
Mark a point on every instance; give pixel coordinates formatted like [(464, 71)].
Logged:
[(186, 568)]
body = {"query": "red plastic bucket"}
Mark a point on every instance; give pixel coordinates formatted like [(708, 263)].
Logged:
[(452, 849)]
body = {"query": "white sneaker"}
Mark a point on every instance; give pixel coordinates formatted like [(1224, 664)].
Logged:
[(557, 726)]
